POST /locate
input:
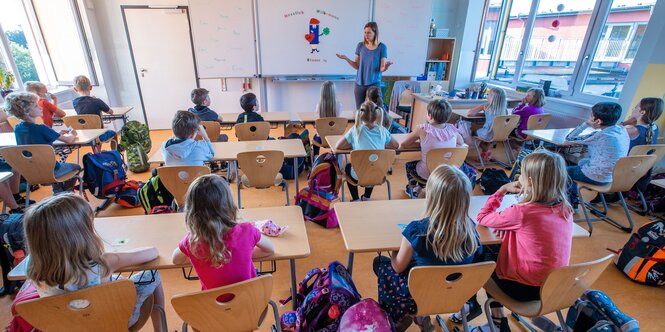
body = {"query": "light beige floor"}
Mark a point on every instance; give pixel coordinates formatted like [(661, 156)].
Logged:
[(641, 302)]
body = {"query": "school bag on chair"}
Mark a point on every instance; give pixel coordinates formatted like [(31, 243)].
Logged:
[(322, 192), (642, 258), (323, 297), (104, 173), (135, 140)]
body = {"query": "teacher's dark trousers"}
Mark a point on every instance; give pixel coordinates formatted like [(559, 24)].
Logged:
[(360, 92)]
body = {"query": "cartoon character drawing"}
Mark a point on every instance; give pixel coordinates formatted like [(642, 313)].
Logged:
[(313, 36)]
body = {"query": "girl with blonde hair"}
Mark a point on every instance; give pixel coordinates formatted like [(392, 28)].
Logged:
[(537, 231), (445, 236), (219, 246), (496, 106), (67, 254), (328, 107), (367, 133)]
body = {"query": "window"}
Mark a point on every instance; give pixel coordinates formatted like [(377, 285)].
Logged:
[(45, 41), (552, 40)]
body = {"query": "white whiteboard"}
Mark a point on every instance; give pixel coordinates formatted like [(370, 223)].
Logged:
[(284, 24), (223, 34), (404, 28)]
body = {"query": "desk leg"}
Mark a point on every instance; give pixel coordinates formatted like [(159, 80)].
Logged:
[(295, 173), (294, 290), (238, 182), (349, 263)]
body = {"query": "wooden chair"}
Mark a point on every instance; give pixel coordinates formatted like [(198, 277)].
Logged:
[(328, 126), (176, 180), (106, 307), (13, 121), (261, 169), (404, 105), (252, 131), (535, 122), (449, 156), (84, 121), (238, 307), (657, 150), (502, 126), (36, 164), (371, 166), (626, 172), (213, 128), (561, 289), (445, 289)]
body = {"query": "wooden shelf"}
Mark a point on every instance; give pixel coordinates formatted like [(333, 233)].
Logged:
[(436, 48)]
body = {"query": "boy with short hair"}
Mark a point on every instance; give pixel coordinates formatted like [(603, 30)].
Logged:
[(183, 149), (606, 145), (48, 109), (250, 105), (86, 104), (201, 99)]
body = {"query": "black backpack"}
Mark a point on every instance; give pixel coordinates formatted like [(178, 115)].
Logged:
[(153, 193), (492, 179), (13, 245)]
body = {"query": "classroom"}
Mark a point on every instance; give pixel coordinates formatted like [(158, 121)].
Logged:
[(175, 165)]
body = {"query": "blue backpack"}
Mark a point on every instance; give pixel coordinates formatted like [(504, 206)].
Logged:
[(104, 173), (595, 312)]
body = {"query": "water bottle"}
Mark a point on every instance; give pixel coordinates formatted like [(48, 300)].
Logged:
[(432, 29)]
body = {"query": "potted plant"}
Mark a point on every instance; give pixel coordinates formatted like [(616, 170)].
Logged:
[(6, 81)]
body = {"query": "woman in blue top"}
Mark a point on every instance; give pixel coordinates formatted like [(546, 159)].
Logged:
[(370, 62)]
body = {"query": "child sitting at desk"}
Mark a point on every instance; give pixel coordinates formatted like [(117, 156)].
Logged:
[(537, 232), (86, 104), (374, 95), (67, 255), (201, 99), (496, 106), (641, 125), (48, 109), (366, 134), (183, 149), (250, 105), (23, 105), (434, 134), (446, 236), (532, 104), (606, 145), (218, 245), (328, 107)]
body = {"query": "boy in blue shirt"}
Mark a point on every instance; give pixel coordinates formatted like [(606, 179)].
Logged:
[(201, 99), (86, 104), (183, 149), (23, 105)]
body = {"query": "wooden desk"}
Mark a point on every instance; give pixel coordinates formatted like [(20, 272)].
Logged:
[(83, 137), (165, 231), (119, 113), (311, 117), (381, 233), (554, 136), (228, 151), (333, 139), (420, 101), (464, 113)]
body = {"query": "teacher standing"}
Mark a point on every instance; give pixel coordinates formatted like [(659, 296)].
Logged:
[(370, 62)]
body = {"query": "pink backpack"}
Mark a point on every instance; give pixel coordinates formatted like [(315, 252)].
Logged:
[(366, 315), (317, 199)]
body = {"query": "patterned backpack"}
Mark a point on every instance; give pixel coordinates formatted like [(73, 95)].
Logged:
[(135, 140), (317, 199), (594, 311), (323, 297), (642, 258)]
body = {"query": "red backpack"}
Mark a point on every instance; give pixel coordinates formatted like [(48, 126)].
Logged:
[(317, 199)]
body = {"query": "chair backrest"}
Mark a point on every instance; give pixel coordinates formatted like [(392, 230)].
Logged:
[(371, 166), (564, 285), (430, 285), (176, 179), (406, 97), (503, 125), (236, 307), (261, 167), (106, 307), (32, 162), (657, 150), (449, 156), (212, 130), (330, 126), (13, 121), (252, 131), (538, 121), (84, 121), (628, 170)]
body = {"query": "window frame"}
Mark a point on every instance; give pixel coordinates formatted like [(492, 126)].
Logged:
[(590, 46)]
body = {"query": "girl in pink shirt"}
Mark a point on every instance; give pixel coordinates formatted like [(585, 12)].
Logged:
[(218, 246), (537, 232)]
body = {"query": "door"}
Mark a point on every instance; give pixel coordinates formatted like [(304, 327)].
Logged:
[(161, 47)]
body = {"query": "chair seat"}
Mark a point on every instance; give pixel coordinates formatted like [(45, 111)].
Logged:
[(404, 109), (528, 309), (65, 176), (601, 188)]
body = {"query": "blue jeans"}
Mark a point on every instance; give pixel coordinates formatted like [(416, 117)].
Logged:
[(60, 170), (575, 174)]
